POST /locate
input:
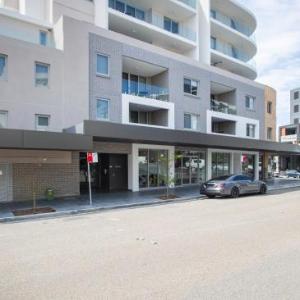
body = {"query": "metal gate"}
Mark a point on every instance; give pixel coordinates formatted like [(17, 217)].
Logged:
[(4, 182)]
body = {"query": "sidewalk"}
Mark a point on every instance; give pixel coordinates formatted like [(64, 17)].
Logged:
[(106, 201)]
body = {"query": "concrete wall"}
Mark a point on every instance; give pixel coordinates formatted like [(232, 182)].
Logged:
[(63, 178), (19, 95)]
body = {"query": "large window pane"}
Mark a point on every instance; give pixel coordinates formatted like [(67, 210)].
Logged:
[(3, 59), (178, 168), (41, 74), (120, 6), (194, 169), (187, 121), (102, 109), (153, 168), (102, 64), (130, 10), (134, 84), (167, 24), (163, 169), (185, 170), (125, 83), (3, 119), (220, 164), (143, 168)]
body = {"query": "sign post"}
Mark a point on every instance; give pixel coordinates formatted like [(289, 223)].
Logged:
[(91, 159)]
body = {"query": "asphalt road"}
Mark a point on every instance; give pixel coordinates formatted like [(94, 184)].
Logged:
[(247, 248)]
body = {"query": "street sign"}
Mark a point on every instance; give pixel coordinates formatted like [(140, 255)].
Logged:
[(92, 158)]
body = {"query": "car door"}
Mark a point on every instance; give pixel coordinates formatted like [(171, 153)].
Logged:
[(242, 184), (252, 185)]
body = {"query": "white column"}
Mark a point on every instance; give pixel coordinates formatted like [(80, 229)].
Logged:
[(101, 13), (204, 31), (135, 168), (256, 171), (172, 165), (208, 164)]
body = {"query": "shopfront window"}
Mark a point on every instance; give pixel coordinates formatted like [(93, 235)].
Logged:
[(189, 167), (220, 164), (153, 168), (248, 165)]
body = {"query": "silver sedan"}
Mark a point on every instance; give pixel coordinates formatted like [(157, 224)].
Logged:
[(232, 185)]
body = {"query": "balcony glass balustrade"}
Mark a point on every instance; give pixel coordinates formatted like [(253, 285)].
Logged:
[(233, 24), (153, 19), (231, 51), (145, 90), (191, 3), (222, 107)]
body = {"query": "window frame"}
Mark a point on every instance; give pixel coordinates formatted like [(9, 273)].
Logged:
[(108, 109), (270, 107), (39, 127), (5, 73), (190, 92), (248, 130), (4, 113), (253, 101), (191, 121), (108, 65), (46, 37), (35, 74)]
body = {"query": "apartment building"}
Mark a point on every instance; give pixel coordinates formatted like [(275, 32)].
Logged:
[(290, 134), (158, 89)]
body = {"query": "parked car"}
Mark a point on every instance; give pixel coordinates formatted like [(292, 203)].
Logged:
[(292, 174), (232, 185)]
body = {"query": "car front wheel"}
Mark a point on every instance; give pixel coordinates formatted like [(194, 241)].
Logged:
[(235, 192)]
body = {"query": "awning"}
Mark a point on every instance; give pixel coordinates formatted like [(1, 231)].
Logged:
[(108, 131), (44, 140)]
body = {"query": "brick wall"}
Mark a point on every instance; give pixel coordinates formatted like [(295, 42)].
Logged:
[(63, 178)]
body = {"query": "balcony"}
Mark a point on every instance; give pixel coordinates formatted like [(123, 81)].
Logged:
[(233, 24), (222, 107), (144, 90), (143, 22), (191, 3)]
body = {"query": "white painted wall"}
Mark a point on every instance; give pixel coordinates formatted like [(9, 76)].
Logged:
[(101, 13), (241, 123), (130, 99)]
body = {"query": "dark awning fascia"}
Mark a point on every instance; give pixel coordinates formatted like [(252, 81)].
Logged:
[(108, 131), (44, 140)]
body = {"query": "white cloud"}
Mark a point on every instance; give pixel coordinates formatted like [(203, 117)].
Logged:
[(278, 39)]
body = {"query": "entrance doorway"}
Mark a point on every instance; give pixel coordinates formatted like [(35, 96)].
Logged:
[(109, 174), (4, 182)]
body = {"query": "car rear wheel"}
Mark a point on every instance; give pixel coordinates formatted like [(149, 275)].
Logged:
[(263, 189), (235, 192)]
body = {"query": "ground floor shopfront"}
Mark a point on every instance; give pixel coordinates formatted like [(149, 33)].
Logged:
[(139, 167)]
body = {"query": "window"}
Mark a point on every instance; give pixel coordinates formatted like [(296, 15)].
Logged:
[(102, 109), (250, 102), (220, 164), (41, 74), (250, 130), (296, 108), (171, 25), (3, 66), (42, 122), (43, 38), (130, 11), (213, 42), (296, 95), (191, 86), (213, 14), (296, 121), (120, 6), (190, 121), (269, 133), (3, 119), (269, 107), (102, 65)]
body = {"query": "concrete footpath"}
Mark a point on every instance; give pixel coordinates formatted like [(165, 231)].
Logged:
[(117, 200)]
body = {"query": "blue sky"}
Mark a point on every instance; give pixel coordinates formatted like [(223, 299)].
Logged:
[(278, 39)]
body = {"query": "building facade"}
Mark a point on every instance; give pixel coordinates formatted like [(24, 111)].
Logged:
[(138, 69)]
